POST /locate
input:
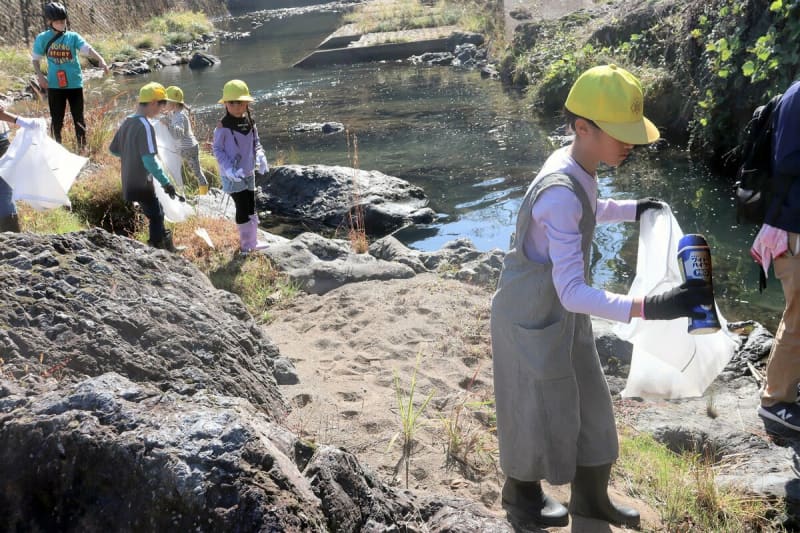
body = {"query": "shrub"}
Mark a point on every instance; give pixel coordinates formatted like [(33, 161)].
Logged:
[(97, 198)]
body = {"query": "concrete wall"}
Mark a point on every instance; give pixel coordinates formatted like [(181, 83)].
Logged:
[(21, 20)]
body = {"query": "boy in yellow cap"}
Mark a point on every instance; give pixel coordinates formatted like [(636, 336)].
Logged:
[(135, 144), (180, 126), (554, 414), (238, 150)]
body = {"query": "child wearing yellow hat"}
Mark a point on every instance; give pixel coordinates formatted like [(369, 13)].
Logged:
[(180, 126), (135, 144), (554, 414), (238, 150)]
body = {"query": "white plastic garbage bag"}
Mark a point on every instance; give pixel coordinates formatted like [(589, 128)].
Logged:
[(39, 170), (667, 361), (169, 153), (174, 209)]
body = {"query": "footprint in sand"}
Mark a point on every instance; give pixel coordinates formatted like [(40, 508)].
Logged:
[(301, 400), (349, 396)]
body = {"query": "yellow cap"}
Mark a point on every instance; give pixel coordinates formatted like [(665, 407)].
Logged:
[(174, 94), (612, 98), (235, 91), (152, 92)]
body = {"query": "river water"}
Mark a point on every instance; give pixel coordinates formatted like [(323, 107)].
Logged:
[(472, 145)]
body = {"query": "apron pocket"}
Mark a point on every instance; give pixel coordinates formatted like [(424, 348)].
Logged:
[(546, 352)]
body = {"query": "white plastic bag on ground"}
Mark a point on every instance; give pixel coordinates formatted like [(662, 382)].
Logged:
[(169, 153), (174, 209), (39, 170), (667, 361)]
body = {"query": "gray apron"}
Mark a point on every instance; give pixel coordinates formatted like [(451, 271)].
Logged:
[(553, 406)]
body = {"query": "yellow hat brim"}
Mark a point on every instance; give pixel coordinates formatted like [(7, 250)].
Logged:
[(639, 132), (240, 99)]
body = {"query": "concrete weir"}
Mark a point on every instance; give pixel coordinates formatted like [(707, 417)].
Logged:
[(346, 45)]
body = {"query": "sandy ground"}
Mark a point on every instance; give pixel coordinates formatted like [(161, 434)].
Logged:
[(356, 346)]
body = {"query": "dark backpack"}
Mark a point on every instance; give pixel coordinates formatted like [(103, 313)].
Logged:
[(752, 189)]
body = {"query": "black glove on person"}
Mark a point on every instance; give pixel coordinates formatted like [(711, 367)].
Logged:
[(647, 203), (170, 190), (679, 301)]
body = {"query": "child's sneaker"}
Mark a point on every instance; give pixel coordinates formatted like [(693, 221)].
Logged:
[(786, 414)]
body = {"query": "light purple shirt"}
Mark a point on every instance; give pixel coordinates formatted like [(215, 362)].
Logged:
[(554, 235)]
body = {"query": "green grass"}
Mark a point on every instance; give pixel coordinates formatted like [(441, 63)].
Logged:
[(15, 64), (51, 221), (409, 415), (683, 489)]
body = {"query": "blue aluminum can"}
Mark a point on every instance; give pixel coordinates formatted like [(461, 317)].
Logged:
[(694, 256)]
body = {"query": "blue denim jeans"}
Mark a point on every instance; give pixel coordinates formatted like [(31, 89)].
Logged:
[(7, 207)]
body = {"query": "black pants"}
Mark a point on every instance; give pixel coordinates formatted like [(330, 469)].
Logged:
[(151, 208), (57, 100), (245, 202)]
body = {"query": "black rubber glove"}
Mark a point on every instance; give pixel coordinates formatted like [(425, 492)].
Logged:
[(679, 301), (170, 190), (647, 203)]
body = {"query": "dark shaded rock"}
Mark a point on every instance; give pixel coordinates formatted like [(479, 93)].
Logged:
[(318, 265), (143, 313), (463, 37), (114, 455), (520, 13), (325, 195), (284, 371), (755, 348), (202, 60)]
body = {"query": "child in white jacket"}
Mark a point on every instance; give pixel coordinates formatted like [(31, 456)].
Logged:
[(179, 124)]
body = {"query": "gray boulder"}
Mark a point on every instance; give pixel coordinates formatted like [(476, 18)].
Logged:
[(114, 455), (458, 259), (90, 302), (325, 195), (202, 60), (318, 265)]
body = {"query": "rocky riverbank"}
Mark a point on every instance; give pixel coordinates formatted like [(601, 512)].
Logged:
[(220, 422)]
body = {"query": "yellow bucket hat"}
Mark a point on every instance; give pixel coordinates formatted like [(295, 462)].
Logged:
[(236, 91), (174, 94), (612, 98), (152, 92)]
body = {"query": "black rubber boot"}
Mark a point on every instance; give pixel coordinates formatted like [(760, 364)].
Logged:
[(527, 505), (590, 498), (10, 223), (166, 243)]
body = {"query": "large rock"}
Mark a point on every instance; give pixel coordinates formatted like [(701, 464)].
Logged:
[(108, 454), (318, 265), (325, 195), (458, 259), (87, 303), (202, 60)]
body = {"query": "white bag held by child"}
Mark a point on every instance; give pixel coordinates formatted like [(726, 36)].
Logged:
[(169, 153), (38, 169), (667, 361), (175, 210)]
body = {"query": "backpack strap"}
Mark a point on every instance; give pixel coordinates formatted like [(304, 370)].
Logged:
[(52, 40)]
